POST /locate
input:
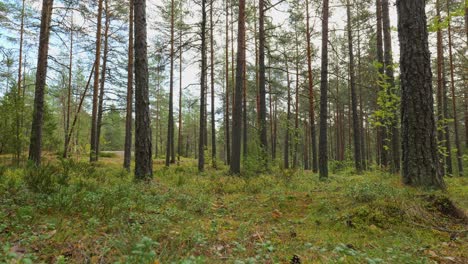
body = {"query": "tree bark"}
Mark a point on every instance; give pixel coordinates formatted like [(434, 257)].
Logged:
[(419, 145), (454, 99), (170, 120), (311, 92), (381, 131), (103, 77), (288, 114), (237, 109), (143, 158), (227, 102), (393, 130), (201, 143), (323, 141), (129, 110), (94, 140), (213, 124), (262, 80), (35, 146), (354, 101)]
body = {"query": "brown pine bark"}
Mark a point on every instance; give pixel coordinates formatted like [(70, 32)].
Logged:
[(237, 109), (323, 138), (419, 144), (143, 158), (440, 86), (129, 110), (35, 146)]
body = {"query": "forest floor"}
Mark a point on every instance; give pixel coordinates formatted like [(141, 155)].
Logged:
[(73, 212)]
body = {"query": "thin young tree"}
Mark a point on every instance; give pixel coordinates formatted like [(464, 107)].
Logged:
[(129, 110), (419, 144), (19, 112), (143, 159), (35, 146), (323, 141), (381, 130), (237, 107)]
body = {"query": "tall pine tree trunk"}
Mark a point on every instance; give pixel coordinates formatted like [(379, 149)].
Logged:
[(103, 78), (323, 139), (237, 108), (227, 102), (213, 125), (97, 63), (262, 80), (35, 146), (381, 131), (419, 145), (354, 100), (311, 92), (201, 143), (393, 131), (170, 121), (129, 110), (454, 99), (143, 158)]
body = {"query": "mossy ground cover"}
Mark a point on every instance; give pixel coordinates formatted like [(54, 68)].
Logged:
[(96, 213)]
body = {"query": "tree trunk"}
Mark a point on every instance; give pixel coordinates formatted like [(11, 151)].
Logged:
[(19, 100), (170, 120), (129, 110), (94, 155), (454, 99), (201, 143), (103, 78), (288, 119), (311, 92), (237, 109), (354, 101), (381, 131), (244, 112), (296, 102), (143, 158), (419, 145), (35, 146), (227, 115), (213, 125), (393, 130), (179, 136), (323, 141), (440, 87), (69, 90), (262, 81)]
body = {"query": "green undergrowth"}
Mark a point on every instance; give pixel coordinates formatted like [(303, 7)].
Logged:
[(73, 212)]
